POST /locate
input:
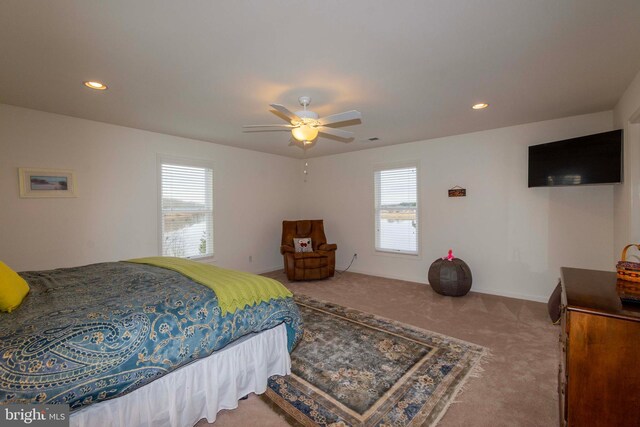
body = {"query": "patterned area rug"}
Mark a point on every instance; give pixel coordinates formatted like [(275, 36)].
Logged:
[(355, 369)]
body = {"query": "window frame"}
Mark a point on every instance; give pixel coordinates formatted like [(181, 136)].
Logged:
[(376, 225), (187, 162)]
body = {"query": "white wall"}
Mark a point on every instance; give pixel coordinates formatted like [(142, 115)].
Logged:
[(514, 238), (627, 195), (115, 216)]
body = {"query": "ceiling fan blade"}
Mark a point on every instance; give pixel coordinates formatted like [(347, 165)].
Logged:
[(284, 111), (340, 117), (268, 126), (260, 130), (339, 133)]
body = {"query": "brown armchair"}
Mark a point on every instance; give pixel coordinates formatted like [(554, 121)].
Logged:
[(319, 264)]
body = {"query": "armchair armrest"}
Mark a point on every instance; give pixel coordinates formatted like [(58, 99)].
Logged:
[(328, 247), (286, 248)]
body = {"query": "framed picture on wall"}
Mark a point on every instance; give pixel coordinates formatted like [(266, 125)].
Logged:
[(46, 183)]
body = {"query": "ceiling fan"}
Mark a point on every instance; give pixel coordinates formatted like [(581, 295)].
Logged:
[(305, 125)]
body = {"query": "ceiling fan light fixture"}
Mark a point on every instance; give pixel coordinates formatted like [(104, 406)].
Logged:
[(306, 125), (304, 133)]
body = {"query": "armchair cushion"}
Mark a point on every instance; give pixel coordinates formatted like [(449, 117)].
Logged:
[(308, 255)]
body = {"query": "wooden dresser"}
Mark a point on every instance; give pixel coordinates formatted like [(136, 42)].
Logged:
[(599, 376)]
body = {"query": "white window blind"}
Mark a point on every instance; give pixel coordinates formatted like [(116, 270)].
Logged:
[(187, 210), (396, 210)]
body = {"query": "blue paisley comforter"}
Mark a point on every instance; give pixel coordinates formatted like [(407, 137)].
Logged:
[(97, 332)]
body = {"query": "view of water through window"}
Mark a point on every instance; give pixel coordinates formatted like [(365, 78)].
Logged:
[(397, 210), (398, 229), (391, 229), (188, 240), (187, 214)]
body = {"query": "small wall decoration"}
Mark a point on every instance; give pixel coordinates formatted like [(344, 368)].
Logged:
[(46, 183), (457, 191)]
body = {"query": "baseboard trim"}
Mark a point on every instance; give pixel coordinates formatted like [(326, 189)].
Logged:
[(386, 276), (516, 295), (480, 290), (270, 269)]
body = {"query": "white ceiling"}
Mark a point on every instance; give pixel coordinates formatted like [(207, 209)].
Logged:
[(201, 69)]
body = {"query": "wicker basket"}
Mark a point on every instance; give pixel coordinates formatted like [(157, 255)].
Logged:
[(629, 292), (627, 270)]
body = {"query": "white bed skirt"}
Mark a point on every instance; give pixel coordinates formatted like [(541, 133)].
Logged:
[(198, 390)]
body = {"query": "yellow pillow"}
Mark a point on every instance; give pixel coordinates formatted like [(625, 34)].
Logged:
[(13, 288)]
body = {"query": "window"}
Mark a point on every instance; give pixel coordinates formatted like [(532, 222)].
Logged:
[(396, 210), (186, 209)]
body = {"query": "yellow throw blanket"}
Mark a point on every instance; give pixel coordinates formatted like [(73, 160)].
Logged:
[(234, 289)]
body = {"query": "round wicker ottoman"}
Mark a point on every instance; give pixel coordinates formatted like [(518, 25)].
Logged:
[(450, 277)]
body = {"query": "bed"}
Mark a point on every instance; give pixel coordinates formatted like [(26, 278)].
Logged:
[(127, 339)]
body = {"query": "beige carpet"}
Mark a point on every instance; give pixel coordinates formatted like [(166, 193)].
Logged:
[(519, 384)]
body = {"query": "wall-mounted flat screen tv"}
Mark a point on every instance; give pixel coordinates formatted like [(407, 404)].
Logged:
[(592, 159)]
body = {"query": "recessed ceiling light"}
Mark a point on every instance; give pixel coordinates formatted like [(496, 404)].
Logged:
[(480, 106), (95, 85)]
